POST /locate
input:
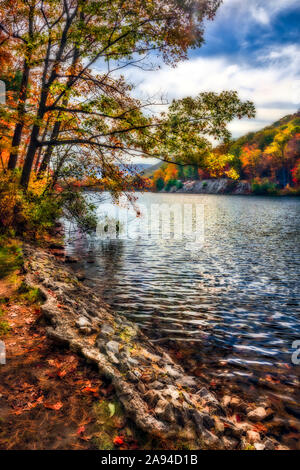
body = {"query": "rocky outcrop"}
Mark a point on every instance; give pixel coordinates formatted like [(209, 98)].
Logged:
[(155, 391), (215, 186)]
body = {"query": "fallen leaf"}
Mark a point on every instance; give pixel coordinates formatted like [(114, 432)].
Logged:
[(56, 406), (80, 430), (112, 409), (61, 373), (118, 441)]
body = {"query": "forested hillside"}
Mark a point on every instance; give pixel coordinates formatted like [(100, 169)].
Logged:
[(269, 159)]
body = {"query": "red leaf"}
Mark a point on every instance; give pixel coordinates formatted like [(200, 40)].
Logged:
[(118, 441), (80, 430)]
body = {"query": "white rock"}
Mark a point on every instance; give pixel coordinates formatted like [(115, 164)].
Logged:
[(259, 446), (113, 346), (259, 414), (253, 436)]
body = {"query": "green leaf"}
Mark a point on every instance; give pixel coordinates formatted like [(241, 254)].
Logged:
[(112, 409)]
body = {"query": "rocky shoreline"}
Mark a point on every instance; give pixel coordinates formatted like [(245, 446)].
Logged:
[(214, 186), (154, 390)]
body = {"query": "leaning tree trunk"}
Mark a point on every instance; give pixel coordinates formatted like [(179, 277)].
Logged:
[(13, 158), (48, 153), (57, 125), (33, 145)]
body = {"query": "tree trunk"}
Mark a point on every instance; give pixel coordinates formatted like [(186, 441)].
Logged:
[(57, 125), (33, 145), (36, 167), (13, 158), (48, 153)]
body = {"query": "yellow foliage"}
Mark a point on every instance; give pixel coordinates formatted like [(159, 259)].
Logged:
[(217, 165), (232, 174)]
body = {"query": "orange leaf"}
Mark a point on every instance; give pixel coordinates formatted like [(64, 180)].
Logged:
[(61, 373), (91, 390), (80, 430), (56, 406), (118, 441)]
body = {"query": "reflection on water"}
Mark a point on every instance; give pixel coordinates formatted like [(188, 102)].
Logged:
[(231, 310)]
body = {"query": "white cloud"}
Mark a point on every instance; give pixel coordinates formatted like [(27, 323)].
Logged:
[(273, 87), (261, 11)]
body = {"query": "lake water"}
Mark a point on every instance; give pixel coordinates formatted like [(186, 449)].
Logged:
[(230, 311)]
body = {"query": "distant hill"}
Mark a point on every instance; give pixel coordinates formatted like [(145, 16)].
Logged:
[(151, 169), (264, 137), (267, 160)]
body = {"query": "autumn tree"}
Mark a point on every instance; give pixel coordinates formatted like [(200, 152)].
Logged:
[(251, 157), (279, 155), (67, 38)]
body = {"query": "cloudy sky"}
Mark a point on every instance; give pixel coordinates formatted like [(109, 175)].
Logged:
[(252, 46)]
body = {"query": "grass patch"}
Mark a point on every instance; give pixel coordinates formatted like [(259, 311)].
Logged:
[(30, 295), (11, 257), (4, 326), (110, 417)]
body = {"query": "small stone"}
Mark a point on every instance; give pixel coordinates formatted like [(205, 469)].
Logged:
[(107, 330), (86, 330), (171, 371), (244, 427), (198, 420), (156, 385), (253, 436), (226, 400), (112, 357), (229, 443), (259, 446), (141, 387), (259, 414), (171, 392), (132, 362), (207, 396), (187, 398), (211, 440), (113, 346), (82, 322), (269, 444), (187, 381)]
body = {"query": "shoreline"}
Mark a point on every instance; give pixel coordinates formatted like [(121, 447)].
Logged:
[(173, 409), (155, 392)]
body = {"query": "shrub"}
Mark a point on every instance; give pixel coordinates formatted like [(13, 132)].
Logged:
[(30, 295), (160, 184), (264, 187), (28, 213), (33, 213), (4, 326), (170, 184), (10, 257)]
